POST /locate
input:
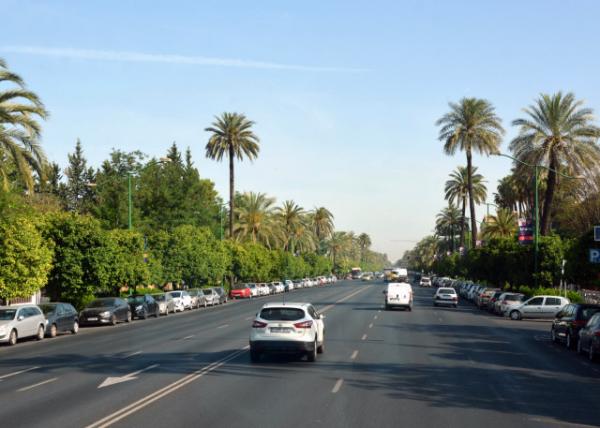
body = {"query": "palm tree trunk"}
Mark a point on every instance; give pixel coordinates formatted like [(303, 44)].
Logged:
[(550, 187), (231, 191), (471, 200), (462, 223)]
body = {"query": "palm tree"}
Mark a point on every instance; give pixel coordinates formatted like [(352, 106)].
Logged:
[(20, 131), (471, 125), (322, 224), (232, 136), (501, 225), (290, 218), (254, 218), (339, 244), (364, 242), (559, 134), (448, 221), (457, 191)]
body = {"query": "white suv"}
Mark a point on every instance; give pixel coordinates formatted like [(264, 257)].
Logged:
[(287, 328)]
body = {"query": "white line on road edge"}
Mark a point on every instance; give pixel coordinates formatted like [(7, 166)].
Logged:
[(326, 308), (27, 388), (364, 337), (151, 398), (133, 354), (337, 386), (354, 355), (18, 373), (131, 376), (371, 325), (223, 326)]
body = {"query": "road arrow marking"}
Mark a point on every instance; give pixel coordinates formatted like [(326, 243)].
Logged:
[(131, 376)]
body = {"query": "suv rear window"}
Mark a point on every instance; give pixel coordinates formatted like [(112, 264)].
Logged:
[(446, 290), (282, 314)]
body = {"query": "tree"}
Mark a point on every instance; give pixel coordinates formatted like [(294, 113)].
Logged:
[(232, 136), (322, 222), (471, 126), (25, 258), (290, 218), (448, 222), (78, 192), (501, 225), (457, 191), (254, 219), (20, 110), (364, 242), (559, 134)]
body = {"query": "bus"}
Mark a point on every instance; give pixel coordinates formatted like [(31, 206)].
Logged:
[(356, 272)]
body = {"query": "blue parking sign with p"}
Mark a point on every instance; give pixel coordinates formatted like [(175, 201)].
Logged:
[(597, 233), (594, 256)]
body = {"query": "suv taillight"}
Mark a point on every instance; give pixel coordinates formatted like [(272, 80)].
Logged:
[(259, 324), (304, 324)]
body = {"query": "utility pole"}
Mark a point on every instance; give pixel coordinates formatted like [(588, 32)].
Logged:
[(130, 218)]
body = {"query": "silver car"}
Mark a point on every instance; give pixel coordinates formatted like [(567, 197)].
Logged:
[(211, 296), (166, 304), (21, 321), (539, 307)]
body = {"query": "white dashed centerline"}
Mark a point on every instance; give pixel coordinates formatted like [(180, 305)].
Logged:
[(27, 388), (364, 337), (371, 325), (337, 386), (18, 373), (223, 326), (354, 355)]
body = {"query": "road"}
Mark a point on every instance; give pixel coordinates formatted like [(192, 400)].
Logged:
[(432, 367)]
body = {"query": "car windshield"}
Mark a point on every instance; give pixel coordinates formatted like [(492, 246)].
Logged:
[(47, 309), (252, 285), (282, 314), (159, 297), (7, 314), (514, 298), (587, 313), (99, 303), (207, 292), (136, 299), (176, 293)]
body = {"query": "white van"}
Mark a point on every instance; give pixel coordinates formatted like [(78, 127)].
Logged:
[(398, 294)]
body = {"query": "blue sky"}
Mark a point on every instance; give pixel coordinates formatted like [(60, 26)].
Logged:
[(344, 93)]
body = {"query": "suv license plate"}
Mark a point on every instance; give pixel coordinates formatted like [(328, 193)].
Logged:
[(280, 330)]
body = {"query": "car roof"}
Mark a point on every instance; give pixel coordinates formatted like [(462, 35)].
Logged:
[(287, 304)]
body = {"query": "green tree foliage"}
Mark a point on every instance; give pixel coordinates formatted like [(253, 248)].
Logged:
[(501, 225), (25, 257), (457, 192), (77, 193)]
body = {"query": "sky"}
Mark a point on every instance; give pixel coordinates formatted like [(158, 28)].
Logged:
[(345, 94)]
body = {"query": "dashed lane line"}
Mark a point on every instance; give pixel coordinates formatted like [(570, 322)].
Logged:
[(371, 325), (27, 388), (354, 355), (364, 337), (223, 326), (337, 386), (326, 308), (18, 372)]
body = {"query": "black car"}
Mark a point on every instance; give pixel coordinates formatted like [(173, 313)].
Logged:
[(222, 294), (107, 310), (572, 318), (143, 306), (60, 317), (589, 338)]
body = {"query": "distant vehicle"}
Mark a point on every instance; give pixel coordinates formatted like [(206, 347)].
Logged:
[(367, 276), (240, 291), (539, 307), (572, 318), (394, 274), (166, 305), (263, 289), (589, 338), (445, 296), (398, 295), (287, 328), (143, 306), (484, 297), (20, 321), (211, 296), (425, 281), (222, 294), (60, 318), (107, 310), (356, 272), (254, 290), (510, 301), (182, 300)]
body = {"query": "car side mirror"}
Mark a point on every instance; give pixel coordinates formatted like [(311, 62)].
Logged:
[(20, 318)]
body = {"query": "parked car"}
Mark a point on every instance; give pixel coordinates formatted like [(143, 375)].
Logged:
[(491, 306), (240, 291), (165, 301), (510, 301), (197, 298), (263, 289), (60, 318), (539, 307), (288, 285), (567, 323), (211, 296), (222, 295), (289, 328), (484, 297), (425, 281), (20, 321), (298, 284), (445, 296), (106, 310), (254, 290), (182, 300), (589, 338), (367, 276), (143, 306)]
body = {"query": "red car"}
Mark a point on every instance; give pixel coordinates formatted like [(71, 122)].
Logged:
[(240, 291)]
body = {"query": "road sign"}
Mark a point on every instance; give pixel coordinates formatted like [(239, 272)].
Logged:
[(525, 231), (597, 233), (594, 255)]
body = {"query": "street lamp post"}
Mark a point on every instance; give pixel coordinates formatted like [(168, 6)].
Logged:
[(129, 204)]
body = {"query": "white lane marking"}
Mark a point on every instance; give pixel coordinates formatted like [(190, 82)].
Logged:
[(223, 326), (379, 311), (371, 325), (133, 354), (337, 386), (326, 308), (364, 337), (27, 388), (188, 337), (18, 373), (169, 389), (131, 376), (354, 355), (375, 317)]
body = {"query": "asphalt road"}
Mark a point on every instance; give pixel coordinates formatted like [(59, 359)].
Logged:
[(432, 367)]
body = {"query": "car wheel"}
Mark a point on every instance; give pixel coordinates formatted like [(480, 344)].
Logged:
[(569, 342), (53, 330), (12, 338), (254, 356), (129, 317), (553, 335), (40, 333), (515, 315), (157, 313), (312, 355), (113, 319), (143, 316), (321, 347), (75, 328), (591, 353)]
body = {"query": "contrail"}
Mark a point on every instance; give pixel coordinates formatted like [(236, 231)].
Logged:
[(128, 56)]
